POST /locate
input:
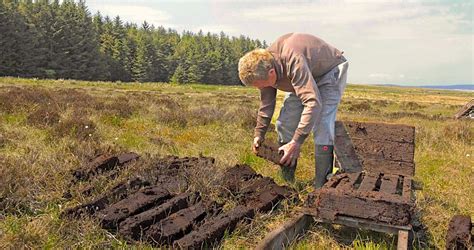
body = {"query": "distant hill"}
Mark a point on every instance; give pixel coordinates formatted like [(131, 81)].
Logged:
[(464, 87)]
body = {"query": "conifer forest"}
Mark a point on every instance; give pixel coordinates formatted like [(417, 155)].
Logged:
[(63, 40)]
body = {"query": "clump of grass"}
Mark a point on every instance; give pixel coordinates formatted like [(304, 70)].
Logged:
[(12, 191), (381, 103), (21, 99), (167, 102), (120, 107), (362, 106), (412, 105), (176, 117), (3, 140), (113, 120), (245, 116), (169, 111), (462, 131), (74, 98), (160, 141), (76, 127), (204, 115), (404, 114), (44, 116)]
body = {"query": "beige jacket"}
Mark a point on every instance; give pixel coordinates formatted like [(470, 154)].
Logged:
[(300, 59)]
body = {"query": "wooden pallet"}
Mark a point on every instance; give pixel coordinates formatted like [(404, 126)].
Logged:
[(383, 198), (465, 111), (290, 231)]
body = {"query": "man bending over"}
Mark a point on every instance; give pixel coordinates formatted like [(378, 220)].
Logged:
[(313, 74)]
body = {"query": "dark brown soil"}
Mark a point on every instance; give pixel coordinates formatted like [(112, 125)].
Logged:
[(381, 198), (176, 225), (267, 198), (138, 202), (381, 131), (459, 233), (386, 151), (102, 164), (120, 191), (269, 151), (161, 211), (236, 175), (98, 165), (174, 162), (134, 226), (213, 230), (173, 165), (380, 148), (127, 157)]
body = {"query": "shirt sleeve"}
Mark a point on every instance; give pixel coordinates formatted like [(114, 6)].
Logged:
[(305, 88), (265, 112)]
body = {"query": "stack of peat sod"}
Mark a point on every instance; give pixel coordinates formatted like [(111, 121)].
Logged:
[(158, 208), (382, 191)]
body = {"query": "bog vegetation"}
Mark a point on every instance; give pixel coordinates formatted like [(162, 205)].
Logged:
[(49, 128), (61, 39)]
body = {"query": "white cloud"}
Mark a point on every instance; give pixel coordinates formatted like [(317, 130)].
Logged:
[(384, 38), (133, 13), (404, 19)]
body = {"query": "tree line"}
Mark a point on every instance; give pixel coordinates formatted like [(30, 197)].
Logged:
[(61, 39)]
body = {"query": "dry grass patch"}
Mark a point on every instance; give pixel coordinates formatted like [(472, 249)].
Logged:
[(44, 116), (79, 128), (462, 131)]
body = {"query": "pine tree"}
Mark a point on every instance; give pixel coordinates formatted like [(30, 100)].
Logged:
[(141, 68), (15, 44), (179, 75)]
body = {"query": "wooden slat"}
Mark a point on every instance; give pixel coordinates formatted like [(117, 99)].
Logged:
[(284, 235), (389, 184), (365, 224), (288, 232), (402, 240), (464, 111), (368, 183)]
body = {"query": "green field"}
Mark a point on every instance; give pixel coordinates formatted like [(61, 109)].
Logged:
[(50, 127)]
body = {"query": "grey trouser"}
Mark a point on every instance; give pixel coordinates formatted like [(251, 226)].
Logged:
[(331, 87)]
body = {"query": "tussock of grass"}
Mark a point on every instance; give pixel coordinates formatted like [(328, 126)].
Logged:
[(49, 128)]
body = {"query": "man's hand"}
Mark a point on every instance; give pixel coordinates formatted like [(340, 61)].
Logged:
[(257, 141), (291, 153)]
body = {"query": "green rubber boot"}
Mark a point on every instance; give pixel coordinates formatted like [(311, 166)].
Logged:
[(324, 162)]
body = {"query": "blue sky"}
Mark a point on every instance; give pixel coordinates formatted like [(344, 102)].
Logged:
[(395, 42)]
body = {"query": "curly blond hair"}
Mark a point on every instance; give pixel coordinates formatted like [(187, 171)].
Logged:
[(255, 66)]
